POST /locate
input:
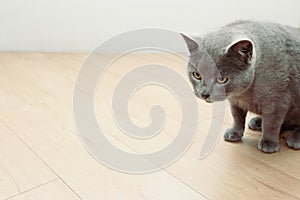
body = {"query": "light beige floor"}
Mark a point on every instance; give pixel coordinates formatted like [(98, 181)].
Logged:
[(41, 156)]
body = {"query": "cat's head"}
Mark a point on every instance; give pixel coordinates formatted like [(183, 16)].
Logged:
[(220, 67)]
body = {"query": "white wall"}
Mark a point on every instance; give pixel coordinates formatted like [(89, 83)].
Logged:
[(80, 25)]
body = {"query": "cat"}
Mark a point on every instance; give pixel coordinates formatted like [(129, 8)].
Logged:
[(256, 67)]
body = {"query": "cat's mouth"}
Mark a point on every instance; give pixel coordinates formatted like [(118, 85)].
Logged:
[(209, 98)]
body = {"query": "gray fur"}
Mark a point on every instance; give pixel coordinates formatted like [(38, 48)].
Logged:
[(262, 64)]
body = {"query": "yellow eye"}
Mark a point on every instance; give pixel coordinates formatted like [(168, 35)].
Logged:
[(222, 80), (197, 75)]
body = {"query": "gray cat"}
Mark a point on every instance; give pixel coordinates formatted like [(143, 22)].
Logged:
[(256, 67)]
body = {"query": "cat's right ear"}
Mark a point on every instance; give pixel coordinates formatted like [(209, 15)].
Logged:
[(243, 47), (192, 45)]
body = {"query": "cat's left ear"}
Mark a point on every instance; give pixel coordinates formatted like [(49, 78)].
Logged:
[(192, 45), (244, 48)]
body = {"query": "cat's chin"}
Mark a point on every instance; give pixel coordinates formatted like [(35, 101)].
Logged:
[(208, 101), (214, 100)]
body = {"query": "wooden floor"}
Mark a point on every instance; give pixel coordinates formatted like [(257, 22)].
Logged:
[(41, 156)]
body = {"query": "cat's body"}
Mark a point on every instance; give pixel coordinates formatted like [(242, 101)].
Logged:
[(256, 66)]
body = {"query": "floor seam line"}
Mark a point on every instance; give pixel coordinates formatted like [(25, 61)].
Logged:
[(33, 188), (39, 157)]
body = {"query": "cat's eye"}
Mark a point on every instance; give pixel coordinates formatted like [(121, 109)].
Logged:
[(222, 80), (197, 75)]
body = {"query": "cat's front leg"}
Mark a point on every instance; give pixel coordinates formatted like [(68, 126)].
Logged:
[(271, 125), (236, 133)]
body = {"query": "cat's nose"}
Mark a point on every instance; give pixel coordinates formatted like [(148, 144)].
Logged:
[(205, 95)]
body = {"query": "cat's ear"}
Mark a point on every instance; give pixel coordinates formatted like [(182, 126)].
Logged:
[(192, 45), (244, 48)]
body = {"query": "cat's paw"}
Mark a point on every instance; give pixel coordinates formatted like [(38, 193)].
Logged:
[(232, 135), (268, 146), (293, 140), (255, 124)]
